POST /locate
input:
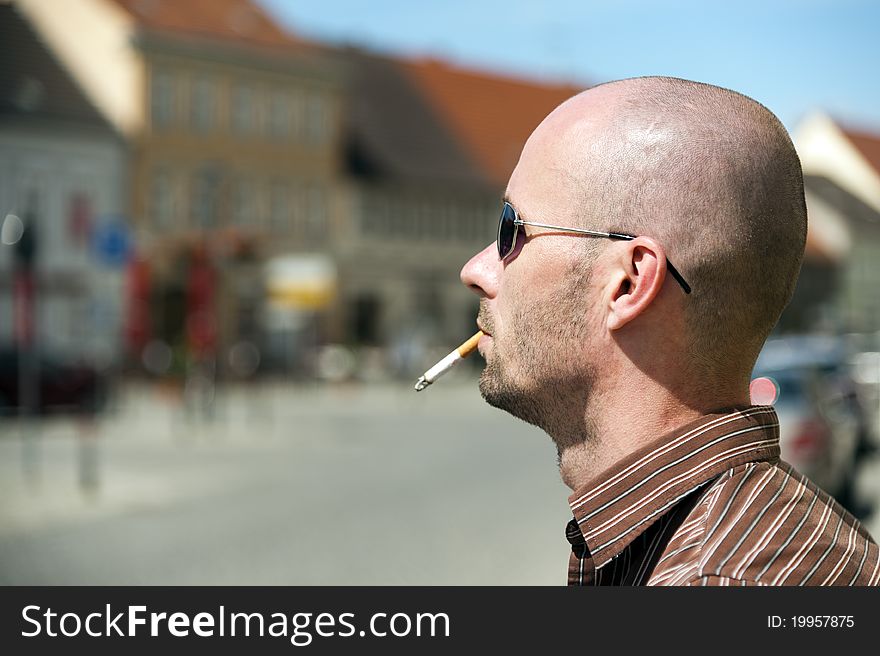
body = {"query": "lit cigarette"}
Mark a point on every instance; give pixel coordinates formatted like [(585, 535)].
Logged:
[(448, 362)]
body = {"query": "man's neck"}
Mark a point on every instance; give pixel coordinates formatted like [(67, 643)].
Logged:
[(620, 426)]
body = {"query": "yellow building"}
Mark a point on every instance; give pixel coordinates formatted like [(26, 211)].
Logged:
[(234, 131)]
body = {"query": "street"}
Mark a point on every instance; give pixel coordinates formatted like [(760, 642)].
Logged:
[(290, 485), (295, 485)]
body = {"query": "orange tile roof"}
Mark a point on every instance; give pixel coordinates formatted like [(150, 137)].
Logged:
[(867, 144), (234, 20), (395, 132), (492, 116)]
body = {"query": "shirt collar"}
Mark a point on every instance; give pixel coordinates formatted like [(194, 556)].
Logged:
[(617, 506)]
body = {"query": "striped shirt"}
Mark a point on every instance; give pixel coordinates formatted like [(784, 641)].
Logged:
[(711, 503)]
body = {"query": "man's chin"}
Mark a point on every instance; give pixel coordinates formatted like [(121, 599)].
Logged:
[(493, 390), (488, 391), (500, 394)]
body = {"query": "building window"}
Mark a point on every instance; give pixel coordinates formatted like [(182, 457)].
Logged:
[(453, 216), (331, 120), (162, 99), (452, 223), (468, 224), (473, 223), (471, 229), (433, 225), (374, 218), (243, 110), (80, 213), (482, 226), (280, 116), (262, 112), (428, 215), (244, 205), (162, 199), (296, 206), (280, 210), (447, 226), (206, 191), (400, 214), (204, 105), (263, 202), (366, 215), (317, 217), (383, 211), (297, 114), (315, 119), (462, 225)]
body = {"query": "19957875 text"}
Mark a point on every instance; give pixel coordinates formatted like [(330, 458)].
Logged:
[(811, 622)]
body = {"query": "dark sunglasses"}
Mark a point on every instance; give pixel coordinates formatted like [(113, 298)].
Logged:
[(508, 229)]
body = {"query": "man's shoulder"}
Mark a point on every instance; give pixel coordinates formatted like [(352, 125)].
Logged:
[(765, 524)]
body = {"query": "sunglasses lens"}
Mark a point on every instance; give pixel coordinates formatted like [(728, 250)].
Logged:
[(506, 231)]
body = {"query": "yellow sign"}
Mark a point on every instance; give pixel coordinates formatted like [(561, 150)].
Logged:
[(302, 297), (302, 282)]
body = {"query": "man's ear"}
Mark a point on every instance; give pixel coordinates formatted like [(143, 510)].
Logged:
[(639, 273)]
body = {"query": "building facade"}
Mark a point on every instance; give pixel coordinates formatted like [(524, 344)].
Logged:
[(428, 151), (239, 157), (842, 181), (233, 131), (283, 194), (63, 177)]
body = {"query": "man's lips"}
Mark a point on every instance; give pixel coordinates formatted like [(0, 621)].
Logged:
[(485, 332)]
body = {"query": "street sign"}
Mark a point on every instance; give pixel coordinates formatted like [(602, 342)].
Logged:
[(111, 242)]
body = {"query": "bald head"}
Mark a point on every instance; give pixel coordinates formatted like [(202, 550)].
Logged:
[(711, 175)]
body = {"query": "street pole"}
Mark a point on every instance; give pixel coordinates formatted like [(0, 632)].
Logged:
[(26, 343)]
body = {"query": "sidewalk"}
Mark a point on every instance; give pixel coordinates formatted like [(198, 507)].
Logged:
[(148, 452)]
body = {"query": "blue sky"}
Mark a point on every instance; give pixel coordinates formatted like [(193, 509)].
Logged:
[(791, 55)]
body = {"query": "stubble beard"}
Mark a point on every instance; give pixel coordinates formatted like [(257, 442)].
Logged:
[(531, 373), (558, 406)]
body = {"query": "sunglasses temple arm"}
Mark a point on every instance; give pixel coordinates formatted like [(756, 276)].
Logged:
[(678, 278), (610, 235)]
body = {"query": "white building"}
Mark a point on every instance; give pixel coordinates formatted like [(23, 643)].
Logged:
[(63, 169), (842, 181)]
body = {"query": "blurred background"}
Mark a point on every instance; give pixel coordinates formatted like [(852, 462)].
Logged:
[(231, 237)]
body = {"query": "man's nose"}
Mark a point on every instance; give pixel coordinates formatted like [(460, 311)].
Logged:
[(482, 271)]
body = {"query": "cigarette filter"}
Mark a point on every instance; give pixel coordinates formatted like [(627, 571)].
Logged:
[(448, 362)]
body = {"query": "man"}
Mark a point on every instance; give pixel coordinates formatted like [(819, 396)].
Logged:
[(652, 234)]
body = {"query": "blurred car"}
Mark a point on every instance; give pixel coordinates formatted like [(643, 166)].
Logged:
[(65, 387), (821, 423)]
